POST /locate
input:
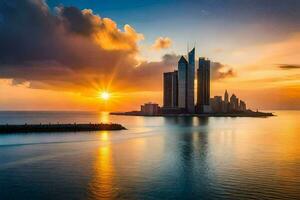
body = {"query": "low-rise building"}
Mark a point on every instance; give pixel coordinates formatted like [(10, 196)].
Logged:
[(234, 104), (243, 106), (216, 104), (150, 109)]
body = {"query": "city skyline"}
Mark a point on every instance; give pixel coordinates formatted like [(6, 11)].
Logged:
[(178, 95), (82, 51), (179, 88)]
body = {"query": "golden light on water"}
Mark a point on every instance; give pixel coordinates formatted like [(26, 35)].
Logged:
[(102, 183)]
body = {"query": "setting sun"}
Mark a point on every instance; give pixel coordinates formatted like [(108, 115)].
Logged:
[(104, 95)]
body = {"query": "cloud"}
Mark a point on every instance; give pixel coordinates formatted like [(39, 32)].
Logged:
[(288, 67), (171, 59), (221, 71), (162, 43), (103, 31), (76, 50), (69, 49)]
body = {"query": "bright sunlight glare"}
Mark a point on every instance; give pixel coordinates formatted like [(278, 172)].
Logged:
[(104, 95)]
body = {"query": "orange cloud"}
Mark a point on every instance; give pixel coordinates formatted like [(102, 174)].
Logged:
[(107, 34), (162, 43), (71, 50)]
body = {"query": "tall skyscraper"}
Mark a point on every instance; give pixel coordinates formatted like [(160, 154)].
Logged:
[(182, 82), (226, 102), (203, 84), (190, 82), (170, 85), (186, 78), (175, 89), (226, 97), (167, 98), (182, 98)]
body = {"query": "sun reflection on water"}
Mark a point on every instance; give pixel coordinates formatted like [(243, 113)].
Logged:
[(104, 117), (104, 136), (102, 183)]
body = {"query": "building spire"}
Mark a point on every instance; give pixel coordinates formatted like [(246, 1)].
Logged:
[(182, 60)]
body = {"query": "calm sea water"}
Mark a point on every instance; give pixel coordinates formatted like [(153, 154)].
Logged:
[(156, 158)]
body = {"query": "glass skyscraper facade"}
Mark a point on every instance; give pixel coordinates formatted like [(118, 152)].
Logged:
[(170, 85), (186, 78), (203, 84), (179, 90), (182, 82), (190, 82)]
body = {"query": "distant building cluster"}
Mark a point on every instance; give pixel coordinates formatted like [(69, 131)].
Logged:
[(179, 91), (218, 105)]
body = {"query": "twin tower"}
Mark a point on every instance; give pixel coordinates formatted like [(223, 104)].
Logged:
[(179, 87)]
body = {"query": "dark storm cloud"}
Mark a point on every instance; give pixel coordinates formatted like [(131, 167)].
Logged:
[(23, 24), (288, 67), (76, 21)]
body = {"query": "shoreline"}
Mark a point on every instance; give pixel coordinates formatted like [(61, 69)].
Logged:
[(49, 128), (246, 114)]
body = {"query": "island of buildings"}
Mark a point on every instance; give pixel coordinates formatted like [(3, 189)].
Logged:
[(179, 94)]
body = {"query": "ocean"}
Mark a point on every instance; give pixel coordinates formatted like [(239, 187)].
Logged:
[(156, 158)]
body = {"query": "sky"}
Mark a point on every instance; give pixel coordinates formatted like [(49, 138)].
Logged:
[(62, 54)]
